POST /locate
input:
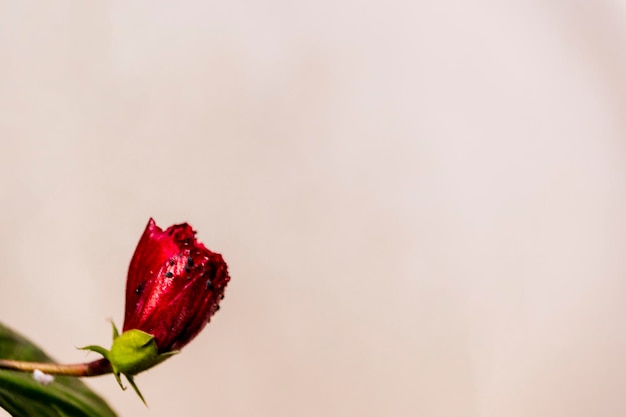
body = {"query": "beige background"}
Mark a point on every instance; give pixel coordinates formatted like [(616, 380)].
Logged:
[(422, 203)]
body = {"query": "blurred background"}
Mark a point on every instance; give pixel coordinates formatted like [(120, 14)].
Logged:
[(421, 203)]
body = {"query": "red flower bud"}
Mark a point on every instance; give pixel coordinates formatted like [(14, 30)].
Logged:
[(174, 285)]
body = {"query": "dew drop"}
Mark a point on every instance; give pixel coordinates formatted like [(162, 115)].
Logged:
[(209, 285), (168, 274), (139, 289)]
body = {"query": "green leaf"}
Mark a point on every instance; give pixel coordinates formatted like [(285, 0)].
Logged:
[(22, 396)]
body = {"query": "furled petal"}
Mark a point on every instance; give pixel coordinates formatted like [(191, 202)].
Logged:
[(174, 285)]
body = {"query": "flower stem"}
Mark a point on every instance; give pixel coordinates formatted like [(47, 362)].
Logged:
[(95, 368)]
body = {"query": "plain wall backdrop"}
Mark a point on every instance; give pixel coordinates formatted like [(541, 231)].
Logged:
[(422, 203)]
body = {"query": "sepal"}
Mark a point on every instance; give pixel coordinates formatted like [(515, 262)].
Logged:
[(132, 352)]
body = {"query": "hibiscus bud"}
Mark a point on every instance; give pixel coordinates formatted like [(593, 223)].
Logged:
[(174, 286)]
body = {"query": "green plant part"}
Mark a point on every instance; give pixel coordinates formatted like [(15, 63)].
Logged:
[(132, 352), (21, 395)]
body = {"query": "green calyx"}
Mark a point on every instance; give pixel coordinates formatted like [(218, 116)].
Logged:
[(132, 352)]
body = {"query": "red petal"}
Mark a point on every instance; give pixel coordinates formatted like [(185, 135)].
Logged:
[(167, 293), (153, 250)]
